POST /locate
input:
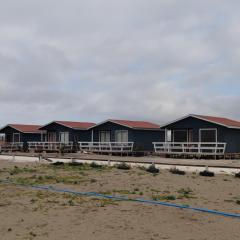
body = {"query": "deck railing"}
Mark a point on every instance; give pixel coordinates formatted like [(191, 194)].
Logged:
[(117, 147), (11, 146), (51, 146), (191, 148)]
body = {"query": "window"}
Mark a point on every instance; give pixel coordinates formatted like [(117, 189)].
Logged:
[(121, 136), (169, 135), (105, 136), (64, 137), (180, 135), (16, 137), (208, 135)]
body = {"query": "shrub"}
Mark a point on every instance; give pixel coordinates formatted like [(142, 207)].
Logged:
[(237, 175), (123, 166), (75, 164), (95, 165), (152, 169), (58, 163), (207, 173), (177, 171)]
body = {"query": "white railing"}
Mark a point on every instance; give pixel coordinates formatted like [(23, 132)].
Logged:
[(193, 148), (53, 146), (106, 146), (10, 146)]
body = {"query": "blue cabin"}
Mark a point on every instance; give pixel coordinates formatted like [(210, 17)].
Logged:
[(66, 131), (18, 135), (202, 134), (124, 134)]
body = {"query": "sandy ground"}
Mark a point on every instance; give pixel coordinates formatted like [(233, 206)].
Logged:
[(34, 214)]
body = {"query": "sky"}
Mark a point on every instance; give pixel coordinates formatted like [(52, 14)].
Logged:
[(152, 60)]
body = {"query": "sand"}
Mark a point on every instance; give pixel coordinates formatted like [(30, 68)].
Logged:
[(34, 214)]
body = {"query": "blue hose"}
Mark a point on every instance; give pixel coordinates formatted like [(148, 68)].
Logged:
[(122, 198)]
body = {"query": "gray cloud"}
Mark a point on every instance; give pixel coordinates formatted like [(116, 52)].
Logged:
[(91, 60)]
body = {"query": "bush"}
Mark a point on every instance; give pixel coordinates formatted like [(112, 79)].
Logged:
[(75, 164), (58, 163), (237, 175), (177, 171), (95, 165), (152, 169), (207, 173), (123, 166)]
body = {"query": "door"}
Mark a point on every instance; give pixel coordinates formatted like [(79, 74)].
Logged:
[(64, 137), (121, 136), (52, 137), (105, 136)]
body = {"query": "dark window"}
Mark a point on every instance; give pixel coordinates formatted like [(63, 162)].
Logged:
[(180, 135), (208, 135)]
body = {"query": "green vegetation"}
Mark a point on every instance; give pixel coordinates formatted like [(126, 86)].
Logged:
[(123, 166)]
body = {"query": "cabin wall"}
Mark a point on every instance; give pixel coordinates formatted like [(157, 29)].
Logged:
[(143, 139)]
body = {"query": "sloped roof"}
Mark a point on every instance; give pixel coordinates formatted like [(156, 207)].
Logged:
[(133, 124), (221, 120), (24, 128), (226, 122), (73, 125)]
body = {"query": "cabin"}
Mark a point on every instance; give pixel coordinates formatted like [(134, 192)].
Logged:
[(16, 136), (63, 134), (123, 136), (200, 135)]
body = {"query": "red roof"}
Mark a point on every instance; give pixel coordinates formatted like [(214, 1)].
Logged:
[(25, 128), (136, 124), (220, 120), (76, 125)]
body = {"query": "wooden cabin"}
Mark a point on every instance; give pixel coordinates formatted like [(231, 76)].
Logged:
[(18, 135), (200, 135), (123, 136), (63, 134)]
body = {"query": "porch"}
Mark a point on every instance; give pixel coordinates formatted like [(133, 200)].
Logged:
[(190, 148), (106, 147)]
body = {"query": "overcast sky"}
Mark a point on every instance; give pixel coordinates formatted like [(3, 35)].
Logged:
[(90, 60)]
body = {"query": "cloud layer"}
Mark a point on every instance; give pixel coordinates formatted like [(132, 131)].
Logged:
[(91, 60)]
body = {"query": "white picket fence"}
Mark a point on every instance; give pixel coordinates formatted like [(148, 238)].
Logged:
[(192, 148), (111, 147)]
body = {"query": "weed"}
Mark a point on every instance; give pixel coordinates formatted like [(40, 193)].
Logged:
[(177, 171), (164, 197), (237, 175), (152, 169), (95, 165), (207, 173), (123, 166)]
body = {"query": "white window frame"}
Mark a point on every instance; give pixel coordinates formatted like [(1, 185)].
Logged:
[(19, 137), (121, 131), (66, 141), (208, 129), (100, 132)]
